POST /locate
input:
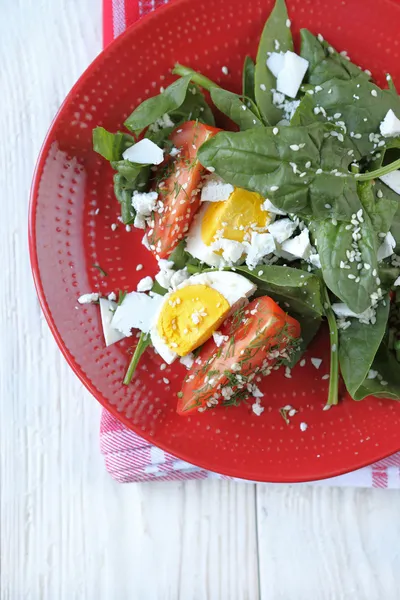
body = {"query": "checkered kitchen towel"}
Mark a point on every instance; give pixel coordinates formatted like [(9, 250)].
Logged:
[(127, 456)]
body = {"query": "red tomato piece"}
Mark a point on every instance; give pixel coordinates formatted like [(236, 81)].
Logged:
[(257, 337), (179, 188)]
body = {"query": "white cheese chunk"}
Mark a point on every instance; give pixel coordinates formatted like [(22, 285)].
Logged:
[(88, 298), (271, 208), (107, 310), (342, 311), (299, 246), (261, 245), (144, 152), (232, 251), (215, 189), (397, 282), (387, 247), (145, 284), (315, 260), (178, 277), (291, 75), (282, 230), (139, 222), (392, 180), (144, 202), (219, 338), (275, 62), (188, 360), (316, 362), (137, 311), (390, 126)]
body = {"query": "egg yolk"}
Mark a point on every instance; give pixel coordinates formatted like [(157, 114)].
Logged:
[(190, 316), (234, 218)]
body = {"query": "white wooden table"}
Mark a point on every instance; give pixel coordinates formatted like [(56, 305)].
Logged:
[(67, 530)]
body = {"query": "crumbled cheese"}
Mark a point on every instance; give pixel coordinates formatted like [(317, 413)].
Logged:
[(397, 282), (219, 338), (178, 277), (275, 62), (342, 311), (144, 203), (187, 361), (107, 310), (139, 222), (232, 251), (144, 152), (303, 426), (316, 362), (162, 123), (174, 152), (111, 297), (372, 374), (136, 312), (387, 247), (145, 284), (299, 246), (88, 298), (257, 409), (215, 189), (315, 261), (290, 77), (392, 180), (282, 229), (271, 208), (390, 126), (261, 245)]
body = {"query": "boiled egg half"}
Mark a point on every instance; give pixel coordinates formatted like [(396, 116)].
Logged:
[(234, 218)]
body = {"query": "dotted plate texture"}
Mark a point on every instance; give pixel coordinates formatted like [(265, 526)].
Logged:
[(66, 238)]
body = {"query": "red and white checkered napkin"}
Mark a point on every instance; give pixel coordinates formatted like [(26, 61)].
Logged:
[(127, 456)]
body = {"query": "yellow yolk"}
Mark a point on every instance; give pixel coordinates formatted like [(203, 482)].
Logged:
[(234, 218), (190, 316)]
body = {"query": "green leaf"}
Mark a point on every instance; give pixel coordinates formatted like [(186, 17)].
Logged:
[(263, 161), (276, 37), (193, 108), (143, 343), (358, 345), (297, 291), (248, 78), (179, 256), (127, 169), (123, 193), (154, 108), (381, 211), (235, 108), (325, 62), (111, 145), (333, 242), (361, 105), (388, 368)]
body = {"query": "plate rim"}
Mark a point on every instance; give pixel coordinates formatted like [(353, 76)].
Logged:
[(230, 471)]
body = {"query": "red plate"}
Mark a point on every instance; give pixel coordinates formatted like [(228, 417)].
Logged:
[(67, 238)]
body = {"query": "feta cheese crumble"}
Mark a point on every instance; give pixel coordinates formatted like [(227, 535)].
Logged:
[(145, 284), (88, 298), (215, 189), (144, 152)]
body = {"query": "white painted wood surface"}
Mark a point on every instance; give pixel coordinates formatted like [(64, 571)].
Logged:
[(67, 530)]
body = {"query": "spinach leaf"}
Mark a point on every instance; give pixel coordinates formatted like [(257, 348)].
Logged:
[(154, 108), (182, 259), (358, 345), (298, 291), (236, 108), (324, 62), (387, 367), (111, 145), (334, 241), (381, 210), (143, 343), (361, 105), (127, 169), (296, 167), (248, 83), (193, 108), (276, 37), (123, 192)]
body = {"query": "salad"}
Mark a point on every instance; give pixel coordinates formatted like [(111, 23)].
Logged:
[(263, 232)]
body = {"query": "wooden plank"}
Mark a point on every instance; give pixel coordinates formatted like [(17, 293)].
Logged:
[(328, 543)]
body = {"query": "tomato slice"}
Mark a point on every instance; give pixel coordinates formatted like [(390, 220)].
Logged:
[(256, 338), (178, 189)]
